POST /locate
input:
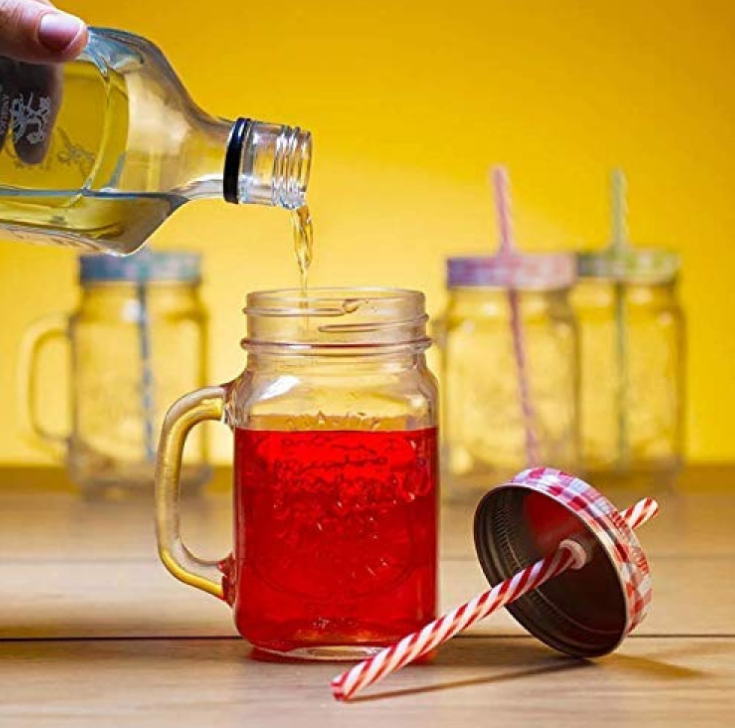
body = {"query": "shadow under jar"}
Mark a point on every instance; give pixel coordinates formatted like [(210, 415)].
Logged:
[(335, 474)]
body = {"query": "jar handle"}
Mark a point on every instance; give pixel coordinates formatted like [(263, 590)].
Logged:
[(35, 337), (199, 406)]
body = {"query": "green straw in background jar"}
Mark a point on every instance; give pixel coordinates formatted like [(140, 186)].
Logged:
[(620, 269)]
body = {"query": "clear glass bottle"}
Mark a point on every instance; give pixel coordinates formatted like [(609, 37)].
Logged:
[(509, 384), (633, 353), (335, 474), (137, 342), (97, 153)]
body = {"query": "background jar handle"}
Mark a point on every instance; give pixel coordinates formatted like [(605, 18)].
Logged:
[(437, 330), (199, 406), (36, 336)]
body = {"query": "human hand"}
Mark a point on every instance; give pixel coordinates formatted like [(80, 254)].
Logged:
[(36, 32)]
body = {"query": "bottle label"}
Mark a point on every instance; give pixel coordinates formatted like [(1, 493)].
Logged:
[(27, 116), (30, 118), (30, 98)]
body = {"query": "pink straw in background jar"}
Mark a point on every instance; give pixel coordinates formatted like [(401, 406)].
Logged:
[(508, 254)]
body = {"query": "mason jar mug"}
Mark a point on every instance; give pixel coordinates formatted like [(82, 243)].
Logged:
[(335, 474)]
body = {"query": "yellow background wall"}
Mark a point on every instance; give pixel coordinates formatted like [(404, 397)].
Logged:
[(409, 103)]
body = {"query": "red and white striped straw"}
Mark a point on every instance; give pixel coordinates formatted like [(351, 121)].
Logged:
[(640, 513), (570, 554), (501, 188)]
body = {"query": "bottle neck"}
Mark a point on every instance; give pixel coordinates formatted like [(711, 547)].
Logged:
[(250, 162), (266, 164)]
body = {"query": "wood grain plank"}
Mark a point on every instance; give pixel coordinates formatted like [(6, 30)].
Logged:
[(120, 599), (648, 683)]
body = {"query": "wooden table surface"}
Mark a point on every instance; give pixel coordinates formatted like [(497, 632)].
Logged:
[(94, 632)]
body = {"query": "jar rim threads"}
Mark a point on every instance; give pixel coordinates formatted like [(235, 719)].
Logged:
[(338, 319)]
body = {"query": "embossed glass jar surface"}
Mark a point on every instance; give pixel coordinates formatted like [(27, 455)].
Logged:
[(137, 342)]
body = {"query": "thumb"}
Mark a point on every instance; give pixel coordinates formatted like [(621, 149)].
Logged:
[(33, 31)]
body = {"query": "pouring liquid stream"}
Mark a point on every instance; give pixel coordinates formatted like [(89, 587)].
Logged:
[(303, 236)]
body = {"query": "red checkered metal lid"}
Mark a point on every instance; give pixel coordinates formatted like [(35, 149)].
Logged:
[(585, 612)]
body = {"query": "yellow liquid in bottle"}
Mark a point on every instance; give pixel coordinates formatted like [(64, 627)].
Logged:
[(71, 191)]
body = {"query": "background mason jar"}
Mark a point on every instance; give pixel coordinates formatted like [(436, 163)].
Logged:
[(137, 342), (633, 356), (485, 429)]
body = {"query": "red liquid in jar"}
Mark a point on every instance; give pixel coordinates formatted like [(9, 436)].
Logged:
[(336, 536)]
